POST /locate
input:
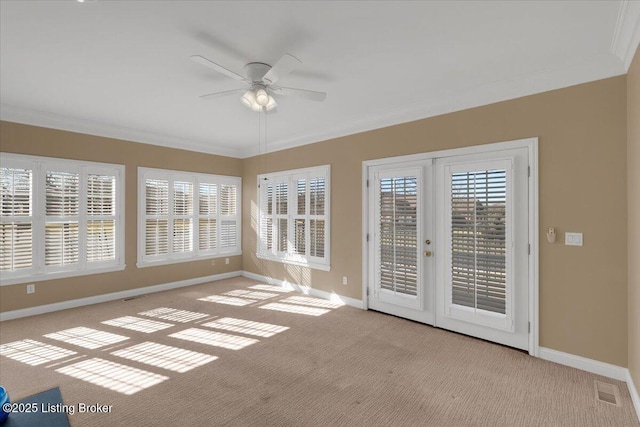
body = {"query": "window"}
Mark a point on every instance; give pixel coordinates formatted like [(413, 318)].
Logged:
[(294, 217), (59, 218), (186, 216)]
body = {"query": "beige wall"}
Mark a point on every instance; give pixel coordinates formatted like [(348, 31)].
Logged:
[(583, 175), (633, 194), (23, 139), (582, 149)]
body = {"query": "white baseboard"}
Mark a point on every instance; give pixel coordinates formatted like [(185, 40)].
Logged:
[(594, 366), (40, 309), (331, 296), (633, 391)]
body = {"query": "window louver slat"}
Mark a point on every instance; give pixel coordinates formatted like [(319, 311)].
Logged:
[(101, 240), (156, 236), (61, 243), (182, 235), (62, 206), (208, 209), (101, 211), (16, 239), (207, 234), (397, 228), (228, 234), (208, 199), (478, 239), (228, 199), (182, 198), (63, 194), (16, 192), (157, 197)]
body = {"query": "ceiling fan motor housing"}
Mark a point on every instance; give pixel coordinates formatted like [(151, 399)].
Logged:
[(256, 71)]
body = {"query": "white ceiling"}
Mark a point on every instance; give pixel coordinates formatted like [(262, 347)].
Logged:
[(122, 68)]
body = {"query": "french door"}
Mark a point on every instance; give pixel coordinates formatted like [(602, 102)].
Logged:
[(400, 212), (449, 242)]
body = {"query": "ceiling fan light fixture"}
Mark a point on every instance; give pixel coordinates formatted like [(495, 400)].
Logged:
[(271, 104), (256, 107), (248, 99), (262, 97)]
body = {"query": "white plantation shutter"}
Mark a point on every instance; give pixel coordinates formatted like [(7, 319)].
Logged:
[(293, 216), (317, 216), (229, 221), (398, 234), (59, 217), (207, 217), (266, 216), (299, 217), (187, 216), (182, 216), (101, 217), (479, 234), (16, 226), (282, 215), (156, 217), (62, 210)]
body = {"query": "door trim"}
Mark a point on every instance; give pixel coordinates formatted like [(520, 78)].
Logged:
[(531, 144)]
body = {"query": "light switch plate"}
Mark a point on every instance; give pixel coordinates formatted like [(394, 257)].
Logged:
[(573, 239)]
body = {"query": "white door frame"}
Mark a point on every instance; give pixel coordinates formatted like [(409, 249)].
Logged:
[(531, 144)]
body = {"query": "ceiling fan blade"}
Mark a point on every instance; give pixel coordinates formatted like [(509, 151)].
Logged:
[(300, 93), (284, 66), (219, 68), (223, 93)]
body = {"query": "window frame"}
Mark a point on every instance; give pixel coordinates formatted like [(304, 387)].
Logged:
[(291, 178), (39, 165), (196, 253)]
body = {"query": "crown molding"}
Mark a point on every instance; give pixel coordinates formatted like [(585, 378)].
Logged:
[(626, 35), (528, 84), (12, 113), (597, 68)]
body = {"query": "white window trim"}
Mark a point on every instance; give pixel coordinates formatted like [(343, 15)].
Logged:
[(38, 164), (196, 179), (323, 264)]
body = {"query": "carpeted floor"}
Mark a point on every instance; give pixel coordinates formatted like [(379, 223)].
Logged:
[(277, 358)]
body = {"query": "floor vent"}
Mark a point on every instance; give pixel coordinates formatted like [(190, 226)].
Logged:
[(135, 297), (608, 393)]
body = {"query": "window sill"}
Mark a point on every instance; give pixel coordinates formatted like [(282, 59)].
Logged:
[(313, 265), (59, 275), (145, 264)]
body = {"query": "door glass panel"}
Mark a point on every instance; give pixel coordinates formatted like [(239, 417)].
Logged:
[(478, 239), (398, 234)]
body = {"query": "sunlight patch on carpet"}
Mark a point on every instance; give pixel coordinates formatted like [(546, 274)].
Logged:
[(297, 309), (173, 315), (271, 288), (246, 327), (87, 337), (221, 299), (217, 339), (33, 352), (114, 376), (315, 302), (250, 294), (164, 356), (137, 324)]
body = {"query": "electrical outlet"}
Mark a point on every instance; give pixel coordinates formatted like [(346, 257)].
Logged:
[(344, 280), (31, 288), (226, 260), (213, 262)]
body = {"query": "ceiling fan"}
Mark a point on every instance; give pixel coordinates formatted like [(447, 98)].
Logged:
[(261, 79)]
